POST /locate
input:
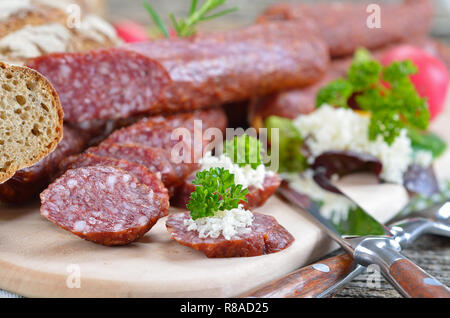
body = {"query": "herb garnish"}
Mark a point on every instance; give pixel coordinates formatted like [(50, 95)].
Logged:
[(215, 191), (187, 27), (386, 92), (290, 144), (244, 150)]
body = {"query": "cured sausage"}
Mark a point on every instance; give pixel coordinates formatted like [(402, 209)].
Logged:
[(142, 173), (266, 236), (104, 205), (184, 74), (27, 183), (156, 131), (157, 160), (255, 198), (295, 102), (344, 27)]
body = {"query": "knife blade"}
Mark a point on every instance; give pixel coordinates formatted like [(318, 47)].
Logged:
[(370, 244), (328, 276)]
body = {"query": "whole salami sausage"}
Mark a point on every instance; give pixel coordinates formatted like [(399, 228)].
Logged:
[(27, 183), (266, 236), (295, 102), (104, 205), (173, 75), (344, 26), (256, 197)]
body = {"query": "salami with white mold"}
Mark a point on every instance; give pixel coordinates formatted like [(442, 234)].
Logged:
[(103, 204), (185, 74)]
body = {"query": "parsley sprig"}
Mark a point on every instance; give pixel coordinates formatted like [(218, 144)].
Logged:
[(386, 92), (185, 27), (244, 150), (215, 191)]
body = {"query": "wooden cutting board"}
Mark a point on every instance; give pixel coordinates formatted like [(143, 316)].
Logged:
[(38, 259)]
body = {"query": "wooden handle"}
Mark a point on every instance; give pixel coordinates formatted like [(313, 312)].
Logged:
[(309, 281), (415, 282)]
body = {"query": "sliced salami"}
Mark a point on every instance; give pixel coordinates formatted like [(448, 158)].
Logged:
[(157, 160), (267, 236), (156, 131), (102, 204), (185, 74), (142, 173), (256, 197)]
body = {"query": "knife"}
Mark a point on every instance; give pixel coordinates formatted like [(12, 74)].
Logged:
[(370, 244), (328, 276)]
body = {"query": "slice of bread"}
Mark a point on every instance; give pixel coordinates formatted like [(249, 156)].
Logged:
[(31, 118)]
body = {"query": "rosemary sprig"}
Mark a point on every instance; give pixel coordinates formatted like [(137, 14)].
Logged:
[(185, 27)]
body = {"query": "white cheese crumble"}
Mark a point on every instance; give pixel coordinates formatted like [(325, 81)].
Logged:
[(423, 158), (246, 176), (334, 206), (341, 129), (229, 223)]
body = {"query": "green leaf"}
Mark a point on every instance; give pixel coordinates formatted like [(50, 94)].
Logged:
[(290, 144), (156, 18), (215, 191), (363, 73), (244, 150), (336, 93), (427, 141), (359, 223), (387, 93)]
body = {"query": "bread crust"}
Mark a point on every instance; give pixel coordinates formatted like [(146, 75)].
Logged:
[(45, 86)]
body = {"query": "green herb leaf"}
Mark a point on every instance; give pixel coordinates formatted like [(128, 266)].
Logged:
[(290, 143), (156, 18), (335, 93), (427, 141), (185, 27), (386, 92), (244, 150), (215, 191)]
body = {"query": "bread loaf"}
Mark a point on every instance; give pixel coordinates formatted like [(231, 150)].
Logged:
[(31, 28), (31, 119)]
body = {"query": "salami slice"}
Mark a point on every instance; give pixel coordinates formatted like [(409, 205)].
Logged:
[(103, 204), (156, 131), (267, 236), (255, 198), (142, 173), (344, 26), (27, 183), (157, 160), (184, 74)]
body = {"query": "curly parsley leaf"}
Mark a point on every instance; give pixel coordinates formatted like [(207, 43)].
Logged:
[(335, 93), (215, 191), (387, 93), (244, 150), (289, 146)]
